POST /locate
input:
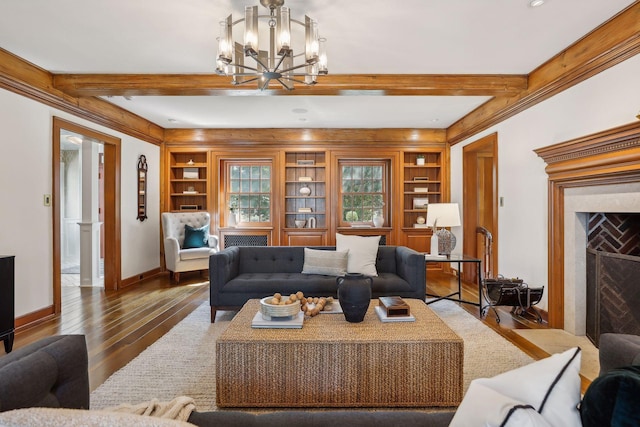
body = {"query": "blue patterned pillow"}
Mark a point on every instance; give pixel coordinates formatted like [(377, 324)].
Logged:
[(195, 237)]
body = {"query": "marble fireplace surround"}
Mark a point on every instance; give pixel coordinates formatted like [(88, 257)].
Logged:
[(595, 173)]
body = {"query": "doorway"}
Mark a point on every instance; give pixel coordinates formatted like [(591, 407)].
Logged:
[(107, 151), (480, 201), (81, 205)]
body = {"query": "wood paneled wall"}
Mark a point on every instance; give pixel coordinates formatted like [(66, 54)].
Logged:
[(273, 143)]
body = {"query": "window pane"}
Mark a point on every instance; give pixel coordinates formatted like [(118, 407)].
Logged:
[(249, 188), (363, 190), (357, 172)]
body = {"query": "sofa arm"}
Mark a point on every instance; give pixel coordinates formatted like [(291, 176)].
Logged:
[(618, 350), (410, 265), (223, 266), (52, 372)]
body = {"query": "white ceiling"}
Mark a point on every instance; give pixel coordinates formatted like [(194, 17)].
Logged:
[(363, 37)]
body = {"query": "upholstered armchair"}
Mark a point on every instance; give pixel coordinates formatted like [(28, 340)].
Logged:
[(187, 242)]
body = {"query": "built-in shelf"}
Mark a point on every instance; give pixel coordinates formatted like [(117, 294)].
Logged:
[(188, 172)]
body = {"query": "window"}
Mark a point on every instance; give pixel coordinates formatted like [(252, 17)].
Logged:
[(249, 191), (363, 190)]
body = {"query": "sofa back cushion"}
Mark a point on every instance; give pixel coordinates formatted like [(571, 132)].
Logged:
[(271, 259), (290, 259)]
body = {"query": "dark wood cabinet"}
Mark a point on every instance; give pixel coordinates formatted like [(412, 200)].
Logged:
[(7, 310)]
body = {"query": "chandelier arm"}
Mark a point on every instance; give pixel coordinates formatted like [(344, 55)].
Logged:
[(284, 85), (298, 81), (237, 83), (255, 58), (280, 63), (295, 68), (266, 84), (245, 67)]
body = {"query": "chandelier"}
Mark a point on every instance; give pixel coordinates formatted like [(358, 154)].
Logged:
[(279, 62)]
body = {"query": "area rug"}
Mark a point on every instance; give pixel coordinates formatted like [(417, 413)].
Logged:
[(556, 341), (182, 362)]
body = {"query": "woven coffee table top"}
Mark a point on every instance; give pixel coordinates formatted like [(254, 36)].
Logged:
[(327, 327)]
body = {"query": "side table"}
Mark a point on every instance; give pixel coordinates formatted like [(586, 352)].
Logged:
[(459, 259)]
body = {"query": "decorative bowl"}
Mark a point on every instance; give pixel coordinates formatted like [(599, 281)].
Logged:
[(271, 310), (300, 223)]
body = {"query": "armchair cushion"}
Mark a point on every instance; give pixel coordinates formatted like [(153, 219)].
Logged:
[(196, 253), (195, 237)]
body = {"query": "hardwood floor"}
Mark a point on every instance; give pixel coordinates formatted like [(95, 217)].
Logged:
[(120, 324)]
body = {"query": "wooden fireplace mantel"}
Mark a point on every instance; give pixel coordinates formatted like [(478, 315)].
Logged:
[(608, 157)]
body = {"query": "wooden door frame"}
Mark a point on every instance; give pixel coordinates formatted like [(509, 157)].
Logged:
[(112, 150), (470, 154)]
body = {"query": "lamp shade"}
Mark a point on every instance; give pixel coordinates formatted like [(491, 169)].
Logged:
[(443, 215)]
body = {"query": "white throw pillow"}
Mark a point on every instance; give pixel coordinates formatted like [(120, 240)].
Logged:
[(544, 393), (329, 263), (363, 252)]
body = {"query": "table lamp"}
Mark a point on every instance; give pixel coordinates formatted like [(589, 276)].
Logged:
[(444, 215)]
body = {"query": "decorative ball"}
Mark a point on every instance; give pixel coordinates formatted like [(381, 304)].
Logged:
[(305, 191), (421, 220)]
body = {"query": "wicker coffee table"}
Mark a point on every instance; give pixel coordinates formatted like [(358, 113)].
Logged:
[(333, 363)]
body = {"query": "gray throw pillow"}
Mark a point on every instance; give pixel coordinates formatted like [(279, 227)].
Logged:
[(328, 263)]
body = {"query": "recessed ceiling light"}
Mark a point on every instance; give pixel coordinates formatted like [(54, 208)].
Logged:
[(172, 120), (299, 110), (536, 3)]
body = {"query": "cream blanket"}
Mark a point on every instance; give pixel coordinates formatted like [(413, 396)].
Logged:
[(179, 408)]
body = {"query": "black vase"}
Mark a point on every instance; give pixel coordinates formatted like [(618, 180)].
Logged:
[(354, 295)]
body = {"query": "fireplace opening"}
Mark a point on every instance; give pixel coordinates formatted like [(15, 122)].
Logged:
[(613, 274)]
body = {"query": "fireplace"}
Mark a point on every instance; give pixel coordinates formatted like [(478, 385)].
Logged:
[(596, 173), (612, 272)]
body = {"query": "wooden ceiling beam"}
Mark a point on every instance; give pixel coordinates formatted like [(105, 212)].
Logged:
[(83, 85), (27, 79), (611, 43)]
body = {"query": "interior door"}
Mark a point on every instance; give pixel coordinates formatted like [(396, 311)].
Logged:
[(480, 201)]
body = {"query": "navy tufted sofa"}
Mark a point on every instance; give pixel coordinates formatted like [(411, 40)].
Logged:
[(240, 273)]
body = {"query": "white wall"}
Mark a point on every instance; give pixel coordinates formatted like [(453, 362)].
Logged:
[(607, 100), (26, 175)]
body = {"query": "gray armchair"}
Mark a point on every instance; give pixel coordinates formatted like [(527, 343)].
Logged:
[(178, 258)]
